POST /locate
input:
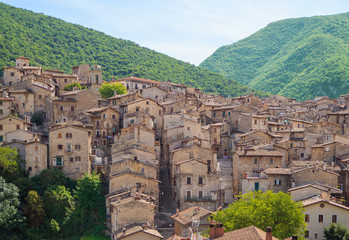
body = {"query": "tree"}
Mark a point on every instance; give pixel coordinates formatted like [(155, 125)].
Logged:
[(34, 209), (108, 90), (89, 212), (58, 201), (336, 232), (71, 86), (277, 210), (9, 202), (9, 163), (12, 222)]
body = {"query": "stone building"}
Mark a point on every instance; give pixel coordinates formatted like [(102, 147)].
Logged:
[(70, 150), (36, 157)]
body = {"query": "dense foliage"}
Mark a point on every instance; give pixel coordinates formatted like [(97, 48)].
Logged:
[(48, 206), (109, 89), (71, 86), (51, 42), (300, 58), (336, 232), (276, 210)]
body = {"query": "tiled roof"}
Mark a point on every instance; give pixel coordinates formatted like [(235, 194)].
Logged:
[(137, 79), (250, 233), (137, 229), (185, 217), (278, 171), (259, 153)]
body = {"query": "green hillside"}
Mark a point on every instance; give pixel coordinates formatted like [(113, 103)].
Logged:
[(300, 58), (51, 42)]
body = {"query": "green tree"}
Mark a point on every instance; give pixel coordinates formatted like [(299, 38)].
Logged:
[(11, 219), (58, 202), (108, 90), (71, 86), (9, 163), (277, 210), (34, 209), (9, 202), (336, 232), (89, 212)]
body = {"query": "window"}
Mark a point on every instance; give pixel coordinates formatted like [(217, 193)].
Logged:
[(229, 113), (191, 155), (36, 148), (59, 147), (255, 121), (1, 103), (291, 145), (65, 80), (214, 114), (255, 160), (188, 194), (321, 218), (59, 161), (77, 147), (201, 180), (144, 86), (137, 109), (77, 159), (1, 127), (277, 182), (59, 135), (97, 79), (316, 235), (72, 108), (61, 108), (77, 169), (188, 128), (97, 122), (306, 234), (1, 138), (12, 74), (40, 96), (334, 218), (271, 160), (113, 116), (71, 159), (104, 116), (223, 113), (136, 86), (68, 135), (147, 102), (200, 194), (307, 217), (188, 180), (17, 126), (142, 170), (69, 149)]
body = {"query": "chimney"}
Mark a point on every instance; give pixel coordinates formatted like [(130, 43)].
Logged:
[(269, 235), (216, 229)]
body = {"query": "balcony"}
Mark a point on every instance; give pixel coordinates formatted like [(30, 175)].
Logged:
[(255, 175), (203, 199)]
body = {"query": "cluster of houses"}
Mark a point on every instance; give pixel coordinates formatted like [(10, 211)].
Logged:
[(167, 147)]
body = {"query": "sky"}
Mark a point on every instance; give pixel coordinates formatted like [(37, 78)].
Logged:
[(188, 30)]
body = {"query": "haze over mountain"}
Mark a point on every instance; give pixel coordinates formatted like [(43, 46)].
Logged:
[(51, 42), (300, 58)]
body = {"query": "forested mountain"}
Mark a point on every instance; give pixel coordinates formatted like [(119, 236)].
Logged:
[(51, 42), (300, 58)]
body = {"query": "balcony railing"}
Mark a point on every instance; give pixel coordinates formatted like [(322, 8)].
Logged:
[(202, 199)]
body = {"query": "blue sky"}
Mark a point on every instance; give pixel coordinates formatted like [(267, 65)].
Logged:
[(189, 30)]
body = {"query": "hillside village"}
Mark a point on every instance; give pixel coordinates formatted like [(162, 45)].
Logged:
[(171, 152)]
